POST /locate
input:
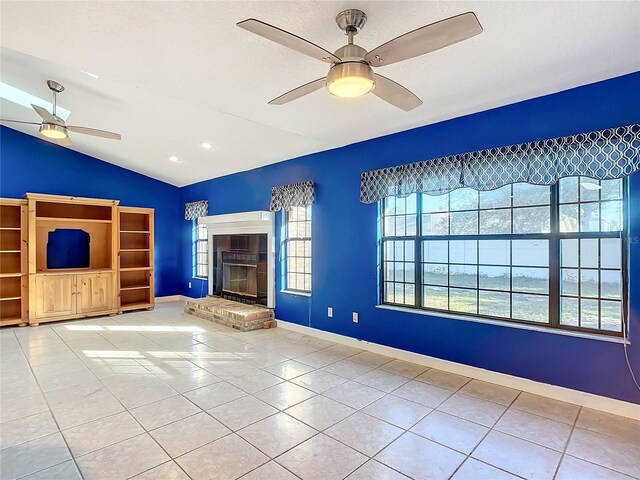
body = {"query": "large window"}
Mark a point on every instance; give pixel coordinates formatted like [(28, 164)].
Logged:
[(537, 254), (298, 249), (200, 251)]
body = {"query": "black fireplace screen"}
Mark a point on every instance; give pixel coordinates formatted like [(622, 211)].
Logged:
[(240, 267)]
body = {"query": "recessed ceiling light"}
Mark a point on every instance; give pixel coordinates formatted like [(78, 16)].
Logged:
[(174, 159), (92, 75), (206, 145)]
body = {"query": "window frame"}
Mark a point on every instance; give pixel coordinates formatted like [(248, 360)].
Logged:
[(554, 238), (287, 240), (197, 240)]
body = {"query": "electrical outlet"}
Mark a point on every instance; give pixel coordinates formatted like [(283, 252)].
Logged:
[(189, 284), (355, 317), (330, 312)]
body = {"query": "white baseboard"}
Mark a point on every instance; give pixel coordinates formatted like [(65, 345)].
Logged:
[(171, 298), (597, 402)]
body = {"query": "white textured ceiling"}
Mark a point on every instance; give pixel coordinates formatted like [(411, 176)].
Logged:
[(172, 74)]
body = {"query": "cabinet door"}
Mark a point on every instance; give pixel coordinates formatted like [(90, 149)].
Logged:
[(95, 292), (55, 295)]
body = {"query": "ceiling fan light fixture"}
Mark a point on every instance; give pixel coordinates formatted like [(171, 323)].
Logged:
[(55, 132), (350, 79)]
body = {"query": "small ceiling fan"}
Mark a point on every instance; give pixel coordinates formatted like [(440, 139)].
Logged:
[(54, 128), (351, 74)]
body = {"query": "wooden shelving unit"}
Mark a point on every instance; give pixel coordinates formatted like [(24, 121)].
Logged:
[(86, 289), (13, 262), (135, 270)]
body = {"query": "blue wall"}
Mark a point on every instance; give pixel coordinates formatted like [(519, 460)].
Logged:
[(344, 241), (344, 232), (29, 164)]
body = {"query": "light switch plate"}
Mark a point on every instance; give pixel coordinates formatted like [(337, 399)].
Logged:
[(355, 317), (330, 312), (189, 284)]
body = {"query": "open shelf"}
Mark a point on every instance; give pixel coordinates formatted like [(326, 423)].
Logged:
[(9, 298), (10, 240), (137, 287), (133, 241), (76, 220), (11, 287), (135, 298), (10, 275), (9, 229), (135, 306), (11, 309), (11, 262), (6, 321), (134, 222), (59, 211), (10, 217), (134, 258), (135, 278)]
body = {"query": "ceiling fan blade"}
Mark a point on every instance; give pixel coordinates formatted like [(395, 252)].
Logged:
[(63, 142), (296, 93), (19, 121), (95, 132), (288, 39), (425, 39), (395, 94), (44, 113)]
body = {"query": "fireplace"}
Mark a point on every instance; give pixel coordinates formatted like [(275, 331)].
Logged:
[(242, 256), (240, 267)]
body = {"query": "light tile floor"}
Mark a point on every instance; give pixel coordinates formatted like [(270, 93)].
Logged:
[(163, 395)]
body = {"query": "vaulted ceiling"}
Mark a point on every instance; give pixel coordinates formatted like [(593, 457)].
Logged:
[(174, 74)]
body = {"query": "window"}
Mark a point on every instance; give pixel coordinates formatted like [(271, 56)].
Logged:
[(545, 255), (298, 249), (200, 251)]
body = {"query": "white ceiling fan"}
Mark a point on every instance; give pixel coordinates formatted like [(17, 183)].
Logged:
[(54, 128), (351, 74)]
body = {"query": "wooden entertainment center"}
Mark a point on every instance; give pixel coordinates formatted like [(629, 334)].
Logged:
[(71, 257)]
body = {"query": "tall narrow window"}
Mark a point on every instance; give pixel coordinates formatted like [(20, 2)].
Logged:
[(546, 255), (298, 249), (200, 251)]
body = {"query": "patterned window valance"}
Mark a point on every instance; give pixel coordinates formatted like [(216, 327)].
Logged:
[(193, 210), (300, 194), (605, 154)]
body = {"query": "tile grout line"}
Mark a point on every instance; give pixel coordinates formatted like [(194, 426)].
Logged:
[(51, 413), (491, 429), (566, 444)]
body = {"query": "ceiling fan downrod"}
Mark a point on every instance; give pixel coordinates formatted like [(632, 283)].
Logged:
[(350, 22), (56, 88)]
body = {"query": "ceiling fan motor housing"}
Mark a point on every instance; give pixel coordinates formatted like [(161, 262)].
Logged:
[(351, 53), (353, 66)]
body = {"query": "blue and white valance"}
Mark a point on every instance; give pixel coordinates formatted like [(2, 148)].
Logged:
[(300, 194), (604, 154), (193, 210)]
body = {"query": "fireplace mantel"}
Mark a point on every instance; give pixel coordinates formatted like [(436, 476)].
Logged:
[(244, 223)]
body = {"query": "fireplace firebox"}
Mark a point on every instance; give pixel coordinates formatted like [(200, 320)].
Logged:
[(240, 267)]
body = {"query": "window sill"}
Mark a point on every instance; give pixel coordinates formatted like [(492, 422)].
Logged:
[(199, 278), (522, 326), (299, 294)]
